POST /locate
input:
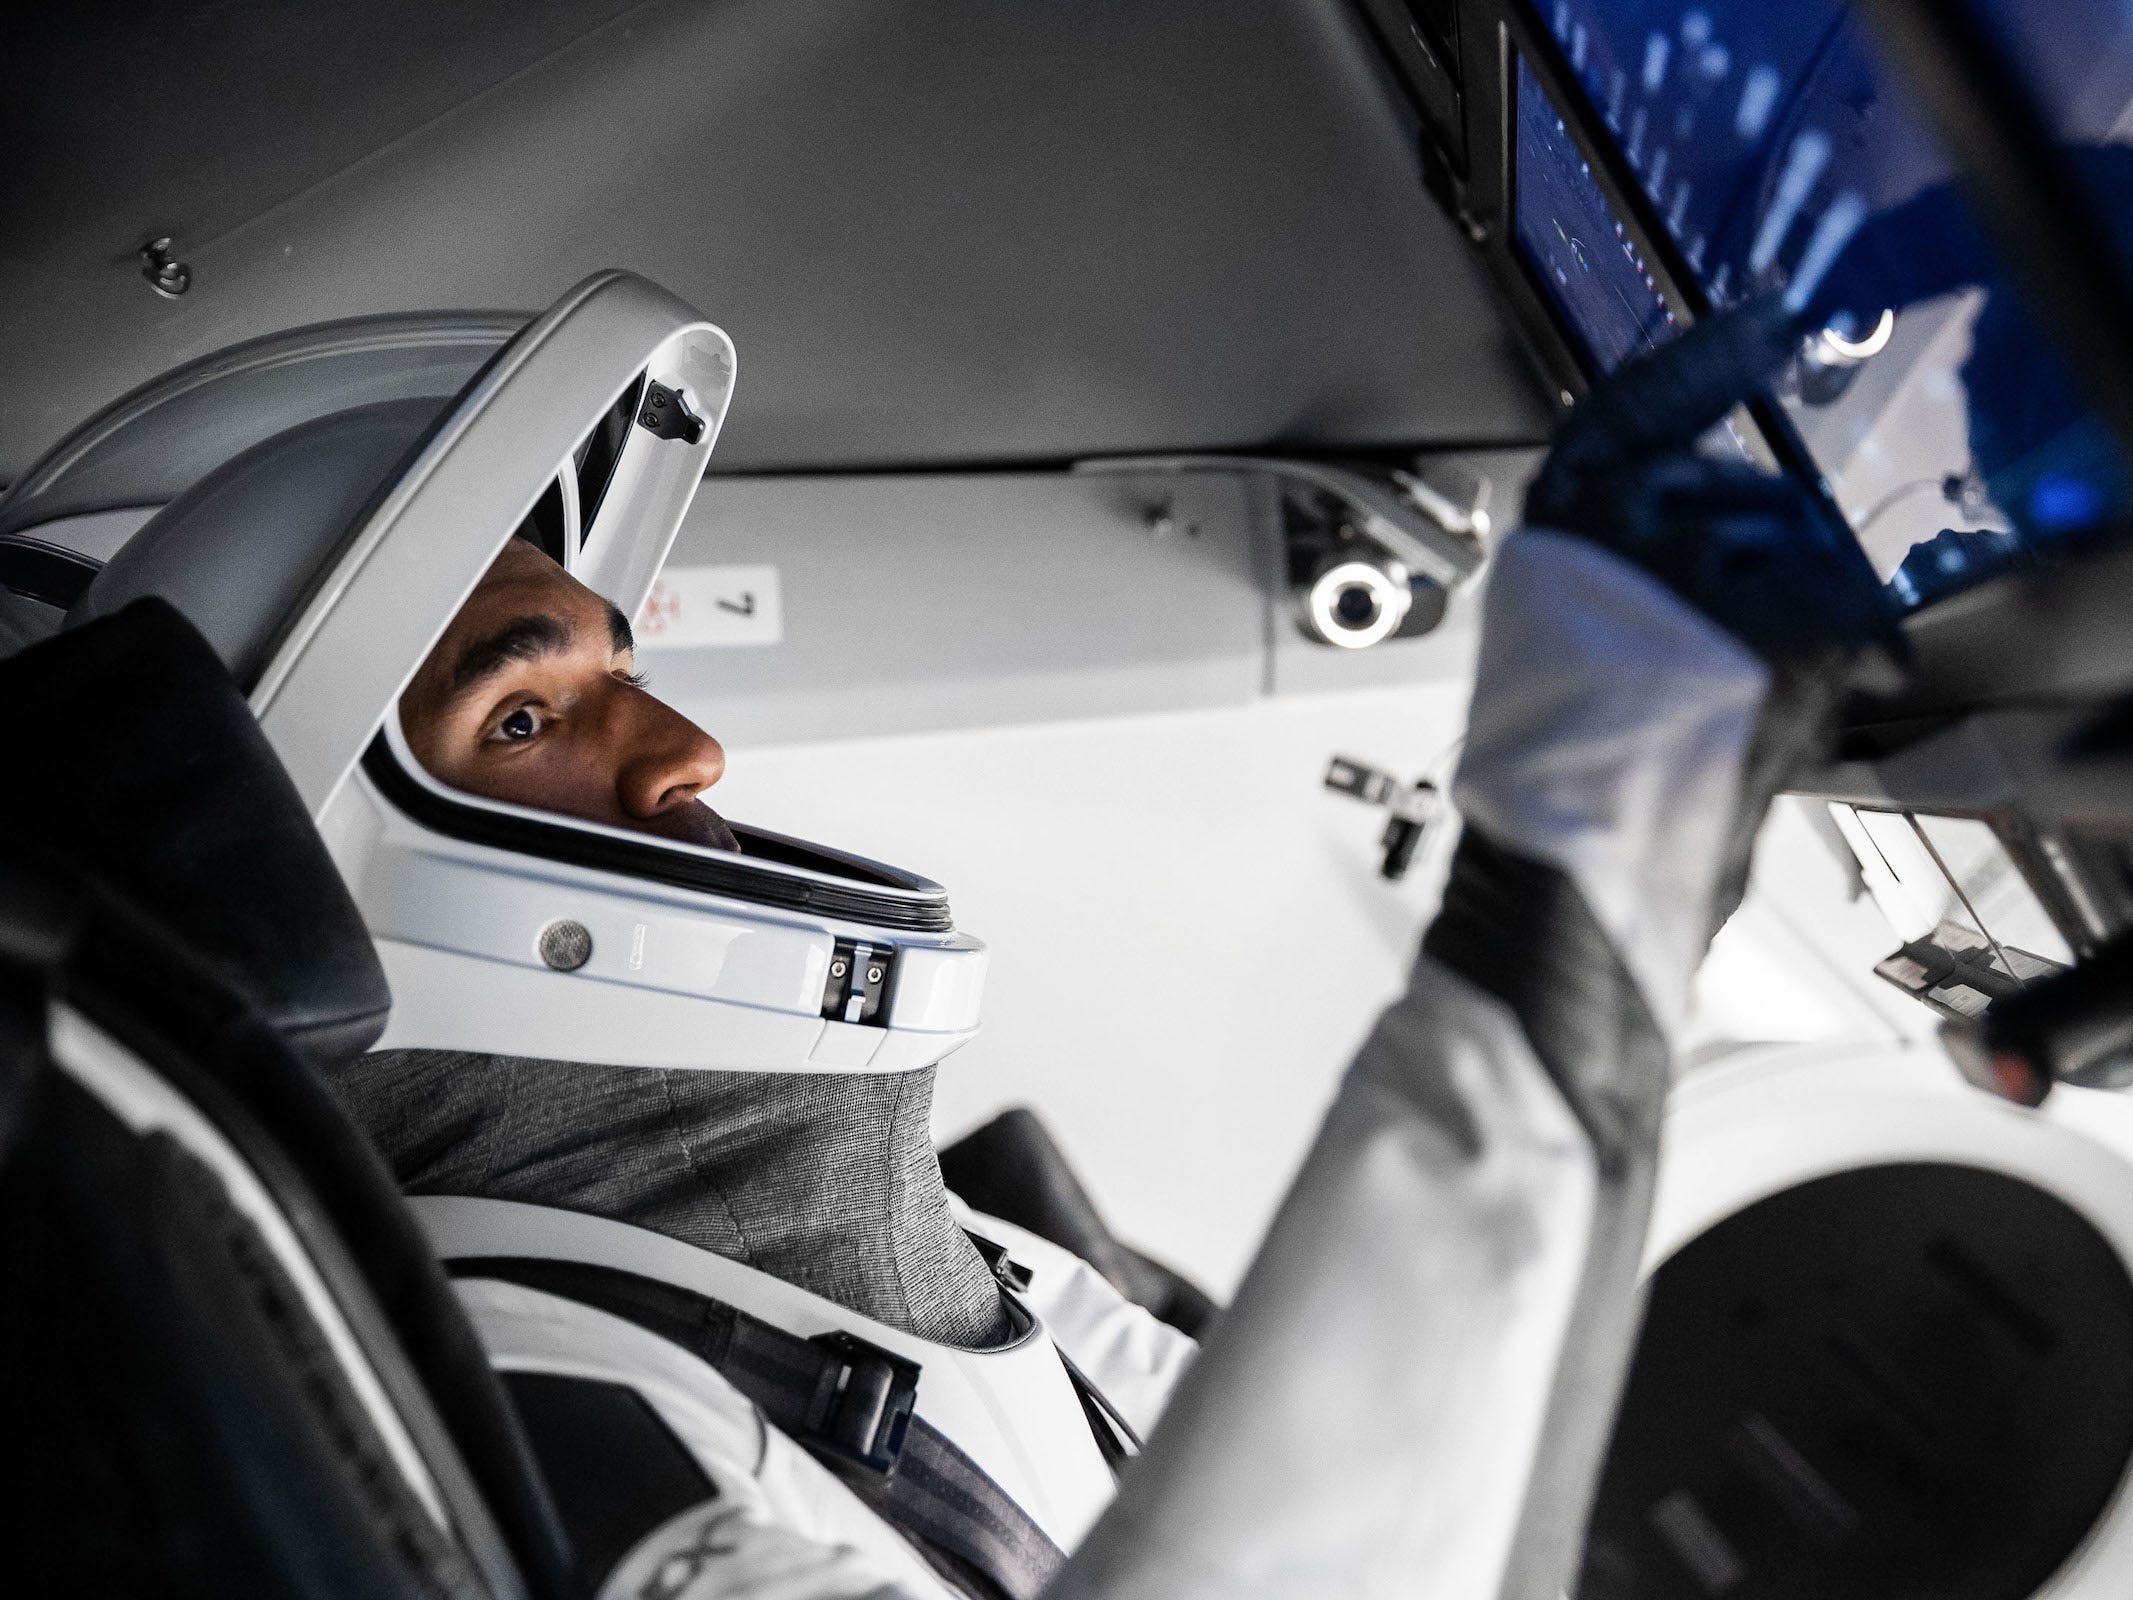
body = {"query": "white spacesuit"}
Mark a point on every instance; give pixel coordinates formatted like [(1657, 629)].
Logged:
[(533, 937), (1413, 1389), (1411, 1392)]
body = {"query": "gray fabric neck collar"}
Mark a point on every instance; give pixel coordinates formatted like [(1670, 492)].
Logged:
[(826, 1180)]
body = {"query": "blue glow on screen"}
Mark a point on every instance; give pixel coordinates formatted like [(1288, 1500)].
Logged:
[(1574, 242), (1779, 153)]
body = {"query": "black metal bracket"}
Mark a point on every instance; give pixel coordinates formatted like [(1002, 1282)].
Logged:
[(666, 415), (857, 985), (862, 1405), (1415, 808)]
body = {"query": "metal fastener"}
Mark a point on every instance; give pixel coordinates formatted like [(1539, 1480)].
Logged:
[(167, 276), (566, 945)]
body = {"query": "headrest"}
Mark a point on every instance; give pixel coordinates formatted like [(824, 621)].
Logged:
[(150, 446), (135, 762), (24, 621), (239, 551)]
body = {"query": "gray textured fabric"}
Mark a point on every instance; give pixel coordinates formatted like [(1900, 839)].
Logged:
[(826, 1180)]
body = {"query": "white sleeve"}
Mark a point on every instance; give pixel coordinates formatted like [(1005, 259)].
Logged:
[(1409, 1390), (1363, 1419), (1608, 737)]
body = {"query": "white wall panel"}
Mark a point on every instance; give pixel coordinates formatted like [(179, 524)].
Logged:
[(1189, 934)]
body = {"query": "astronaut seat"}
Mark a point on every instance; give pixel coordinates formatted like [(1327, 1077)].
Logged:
[(230, 1364)]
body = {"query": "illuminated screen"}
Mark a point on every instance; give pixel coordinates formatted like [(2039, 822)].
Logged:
[(1575, 243), (1780, 153)]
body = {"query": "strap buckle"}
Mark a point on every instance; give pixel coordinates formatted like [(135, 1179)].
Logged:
[(862, 1403)]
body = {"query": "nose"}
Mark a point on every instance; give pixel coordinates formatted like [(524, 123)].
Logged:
[(666, 760)]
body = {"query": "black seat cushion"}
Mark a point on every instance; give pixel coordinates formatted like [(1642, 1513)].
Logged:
[(176, 1424), (1012, 1169), (159, 874), (134, 761)]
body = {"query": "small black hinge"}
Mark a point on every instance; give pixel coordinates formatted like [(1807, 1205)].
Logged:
[(667, 415), (1006, 1271)]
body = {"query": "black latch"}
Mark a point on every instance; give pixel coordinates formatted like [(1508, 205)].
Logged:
[(1414, 808), (857, 984), (862, 1405), (667, 415)]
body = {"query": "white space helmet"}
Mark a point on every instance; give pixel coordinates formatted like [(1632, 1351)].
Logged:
[(507, 930)]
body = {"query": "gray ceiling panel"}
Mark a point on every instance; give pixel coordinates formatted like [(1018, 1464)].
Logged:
[(939, 231)]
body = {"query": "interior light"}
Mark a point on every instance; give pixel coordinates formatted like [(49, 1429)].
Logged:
[(1849, 352)]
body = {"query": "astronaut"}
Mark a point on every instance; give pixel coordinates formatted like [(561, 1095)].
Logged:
[(662, 1101), (746, 1227), (665, 1102), (804, 1194)]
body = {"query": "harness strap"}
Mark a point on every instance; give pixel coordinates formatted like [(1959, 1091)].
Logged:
[(1115, 1439), (846, 1401)]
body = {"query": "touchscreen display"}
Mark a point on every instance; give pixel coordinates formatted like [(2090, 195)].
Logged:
[(1574, 242), (1587, 264), (1781, 154)]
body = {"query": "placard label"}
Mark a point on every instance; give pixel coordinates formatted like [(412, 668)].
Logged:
[(698, 607)]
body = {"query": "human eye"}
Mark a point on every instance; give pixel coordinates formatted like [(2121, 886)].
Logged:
[(522, 724)]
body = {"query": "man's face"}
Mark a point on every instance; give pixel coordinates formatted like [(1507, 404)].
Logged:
[(532, 696)]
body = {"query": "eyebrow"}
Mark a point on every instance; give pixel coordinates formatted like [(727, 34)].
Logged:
[(527, 638)]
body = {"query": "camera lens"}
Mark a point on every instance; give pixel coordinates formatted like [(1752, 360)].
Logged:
[(1356, 606), (1354, 601)]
